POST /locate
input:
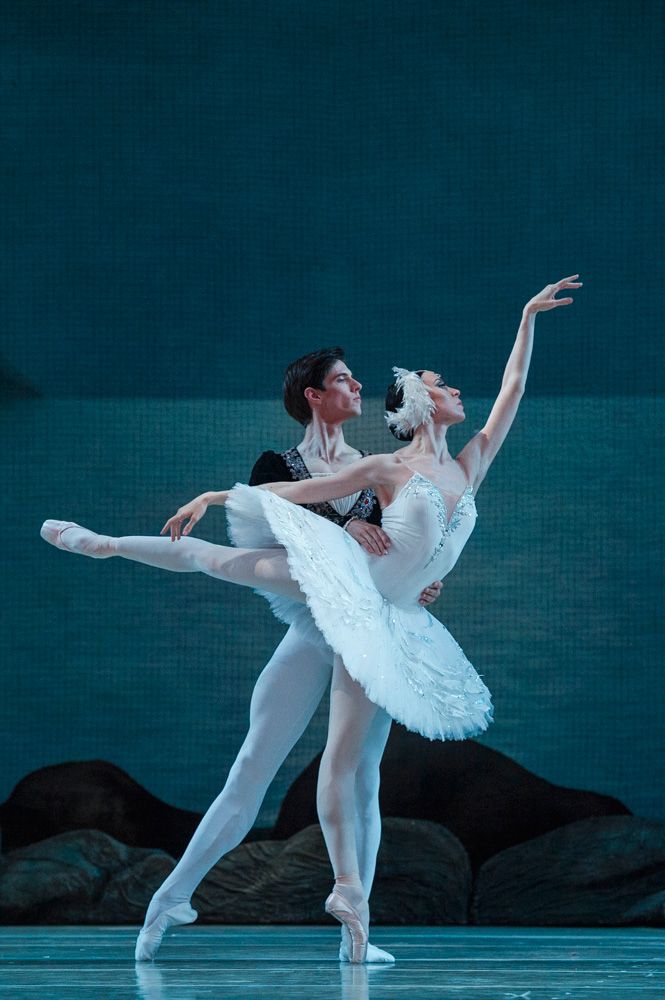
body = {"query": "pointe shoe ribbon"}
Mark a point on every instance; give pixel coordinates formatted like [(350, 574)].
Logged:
[(338, 908), (150, 937)]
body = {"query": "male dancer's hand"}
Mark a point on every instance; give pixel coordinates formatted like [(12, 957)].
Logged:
[(430, 594), (372, 538), (375, 541)]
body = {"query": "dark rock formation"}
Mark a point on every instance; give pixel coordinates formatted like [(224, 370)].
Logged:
[(86, 877), (80, 877), (92, 794), (13, 385), (423, 877), (487, 800), (608, 871)]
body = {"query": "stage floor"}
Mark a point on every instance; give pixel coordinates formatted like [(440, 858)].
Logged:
[(225, 963)]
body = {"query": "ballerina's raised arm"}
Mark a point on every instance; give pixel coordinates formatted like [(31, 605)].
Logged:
[(479, 453)]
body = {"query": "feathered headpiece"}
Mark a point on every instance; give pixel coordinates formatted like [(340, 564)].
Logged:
[(417, 404)]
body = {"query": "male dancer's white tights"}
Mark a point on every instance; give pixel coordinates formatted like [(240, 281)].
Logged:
[(284, 700)]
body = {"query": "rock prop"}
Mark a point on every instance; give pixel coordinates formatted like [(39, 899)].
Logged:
[(86, 877), (608, 871), (92, 794), (13, 385), (81, 877), (484, 798), (423, 876)]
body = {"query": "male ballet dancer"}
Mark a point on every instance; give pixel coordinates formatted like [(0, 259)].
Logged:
[(320, 393)]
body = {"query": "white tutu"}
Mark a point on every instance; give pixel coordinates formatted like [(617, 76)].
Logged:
[(403, 657)]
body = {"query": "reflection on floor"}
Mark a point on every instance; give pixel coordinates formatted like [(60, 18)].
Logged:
[(225, 963)]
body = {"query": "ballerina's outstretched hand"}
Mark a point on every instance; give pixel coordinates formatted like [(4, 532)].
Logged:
[(192, 513)]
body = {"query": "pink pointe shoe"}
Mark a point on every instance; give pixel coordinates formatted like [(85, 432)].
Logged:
[(150, 937), (347, 914), (53, 531)]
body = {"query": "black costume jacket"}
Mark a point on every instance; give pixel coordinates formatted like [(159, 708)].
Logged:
[(289, 466)]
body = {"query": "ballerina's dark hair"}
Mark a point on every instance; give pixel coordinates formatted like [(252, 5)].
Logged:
[(394, 399), (307, 372)]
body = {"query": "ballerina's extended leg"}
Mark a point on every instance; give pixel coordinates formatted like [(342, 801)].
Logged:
[(264, 568)]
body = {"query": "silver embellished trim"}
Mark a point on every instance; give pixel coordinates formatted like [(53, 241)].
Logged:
[(420, 484)]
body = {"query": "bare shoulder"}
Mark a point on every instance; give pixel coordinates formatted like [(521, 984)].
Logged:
[(384, 469)]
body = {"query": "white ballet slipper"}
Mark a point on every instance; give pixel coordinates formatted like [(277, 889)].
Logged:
[(150, 937)]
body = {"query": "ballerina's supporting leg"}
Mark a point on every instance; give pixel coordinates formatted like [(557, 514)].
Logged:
[(351, 717), (368, 823), (368, 814)]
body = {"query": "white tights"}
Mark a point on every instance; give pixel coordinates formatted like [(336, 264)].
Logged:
[(284, 699)]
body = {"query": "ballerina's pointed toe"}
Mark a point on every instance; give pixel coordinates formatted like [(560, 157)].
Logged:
[(51, 532), (82, 541), (347, 914), (150, 938)]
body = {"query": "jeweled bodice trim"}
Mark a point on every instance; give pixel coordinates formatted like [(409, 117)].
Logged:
[(419, 484)]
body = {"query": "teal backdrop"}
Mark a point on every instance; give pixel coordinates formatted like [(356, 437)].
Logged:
[(194, 194)]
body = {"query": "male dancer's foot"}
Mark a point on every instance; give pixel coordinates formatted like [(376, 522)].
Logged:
[(152, 932)]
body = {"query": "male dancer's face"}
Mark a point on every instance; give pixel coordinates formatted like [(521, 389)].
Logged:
[(340, 398)]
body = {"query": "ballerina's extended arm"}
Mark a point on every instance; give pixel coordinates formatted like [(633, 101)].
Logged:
[(373, 471), (479, 453)]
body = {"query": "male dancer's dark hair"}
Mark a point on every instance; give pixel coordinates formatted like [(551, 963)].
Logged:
[(307, 372)]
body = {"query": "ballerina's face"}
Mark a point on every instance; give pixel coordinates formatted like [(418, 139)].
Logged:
[(340, 397), (449, 408)]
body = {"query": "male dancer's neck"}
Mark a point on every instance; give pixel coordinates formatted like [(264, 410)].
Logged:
[(323, 441)]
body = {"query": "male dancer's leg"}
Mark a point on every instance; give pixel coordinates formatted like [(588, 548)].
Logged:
[(285, 697)]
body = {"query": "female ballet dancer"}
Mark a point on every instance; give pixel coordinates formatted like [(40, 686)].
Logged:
[(391, 654)]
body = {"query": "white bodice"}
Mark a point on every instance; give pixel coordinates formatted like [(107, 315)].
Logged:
[(426, 541)]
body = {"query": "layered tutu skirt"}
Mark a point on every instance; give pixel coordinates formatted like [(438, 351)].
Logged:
[(404, 658)]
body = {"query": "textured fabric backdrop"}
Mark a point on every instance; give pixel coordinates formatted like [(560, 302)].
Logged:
[(195, 193)]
